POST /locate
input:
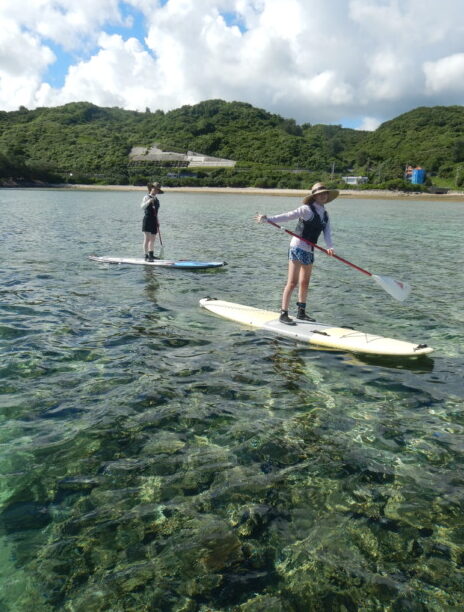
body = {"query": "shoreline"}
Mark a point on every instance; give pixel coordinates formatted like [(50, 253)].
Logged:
[(344, 193)]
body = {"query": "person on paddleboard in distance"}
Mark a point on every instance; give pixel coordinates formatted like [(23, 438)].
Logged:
[(312, 221), (150, 225)]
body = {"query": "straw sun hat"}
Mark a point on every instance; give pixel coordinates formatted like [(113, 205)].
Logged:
[(320, 188)]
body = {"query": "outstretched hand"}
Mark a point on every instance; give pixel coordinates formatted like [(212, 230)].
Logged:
[(260, 218)]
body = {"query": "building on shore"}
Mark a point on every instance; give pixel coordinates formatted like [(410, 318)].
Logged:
[(415, 174), (355, 180), (140, 155)]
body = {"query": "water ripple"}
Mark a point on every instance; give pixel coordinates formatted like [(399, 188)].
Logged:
[(155, 457)]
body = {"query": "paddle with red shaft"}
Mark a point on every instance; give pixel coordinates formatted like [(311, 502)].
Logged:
[(396, 289)]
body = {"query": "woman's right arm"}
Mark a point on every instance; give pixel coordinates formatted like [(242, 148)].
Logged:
[(288, 216), (146, 201)]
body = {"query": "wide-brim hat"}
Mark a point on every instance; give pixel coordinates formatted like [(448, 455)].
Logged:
[(321, 188), (158, 187)]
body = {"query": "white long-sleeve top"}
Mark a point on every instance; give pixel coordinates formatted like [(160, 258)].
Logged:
[(304, 212), (148, 199)]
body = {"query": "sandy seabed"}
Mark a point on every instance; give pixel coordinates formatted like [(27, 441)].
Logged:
[(344, 193)]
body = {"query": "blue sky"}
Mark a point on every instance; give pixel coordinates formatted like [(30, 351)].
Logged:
[(56, 72), (355, 63)]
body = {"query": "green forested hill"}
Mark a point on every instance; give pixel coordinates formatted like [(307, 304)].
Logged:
[(93, 144), (429, 137)]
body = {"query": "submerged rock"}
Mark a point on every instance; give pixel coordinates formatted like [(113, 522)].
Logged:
[(21, 516)]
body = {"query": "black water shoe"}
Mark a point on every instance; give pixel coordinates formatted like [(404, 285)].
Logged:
[(284, 318), (302, 316)]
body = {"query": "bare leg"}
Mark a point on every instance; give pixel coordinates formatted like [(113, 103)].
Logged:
[(292, 281), (148, 242), (303, 282)]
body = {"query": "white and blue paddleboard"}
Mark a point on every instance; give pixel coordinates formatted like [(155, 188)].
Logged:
[(318, 334), (184, 264)]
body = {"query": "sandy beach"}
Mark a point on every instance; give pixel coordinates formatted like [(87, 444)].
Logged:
[(344, 193), (376, 194)]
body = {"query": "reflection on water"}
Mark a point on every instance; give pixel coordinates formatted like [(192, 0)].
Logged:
[(157, 458), (151, 284)]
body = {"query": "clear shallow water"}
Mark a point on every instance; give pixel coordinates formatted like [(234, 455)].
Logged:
[(153, 457)]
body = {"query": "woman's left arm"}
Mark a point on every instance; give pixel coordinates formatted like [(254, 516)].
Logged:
[(328, 238)]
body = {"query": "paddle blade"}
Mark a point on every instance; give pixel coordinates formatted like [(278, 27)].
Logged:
[(396, 289)]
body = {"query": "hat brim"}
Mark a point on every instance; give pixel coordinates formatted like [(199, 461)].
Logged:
[(332, 194)]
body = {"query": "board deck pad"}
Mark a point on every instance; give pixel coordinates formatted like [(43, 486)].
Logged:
[(318, 334), (185, 264)]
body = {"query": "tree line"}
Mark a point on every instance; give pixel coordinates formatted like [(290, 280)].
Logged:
[(83, 143)]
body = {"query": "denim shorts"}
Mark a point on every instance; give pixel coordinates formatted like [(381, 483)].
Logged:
[(304, 257)]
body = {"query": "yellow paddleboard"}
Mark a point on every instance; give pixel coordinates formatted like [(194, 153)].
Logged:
[(318, 334)]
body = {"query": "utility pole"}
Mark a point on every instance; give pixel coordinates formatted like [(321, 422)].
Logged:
[(333, 170)]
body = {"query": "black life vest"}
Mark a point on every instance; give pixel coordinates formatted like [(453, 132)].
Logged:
[(311, 230), (152, 209)]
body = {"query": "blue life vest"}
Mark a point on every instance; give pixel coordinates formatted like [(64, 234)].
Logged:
[(311, 230)]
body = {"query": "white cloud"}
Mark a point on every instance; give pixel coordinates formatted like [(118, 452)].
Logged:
[(122, 73), (22, 60), (313, 61), (282, 22), (446, 74), (369, 124), (65, 22), (385, 81), (21, 53)]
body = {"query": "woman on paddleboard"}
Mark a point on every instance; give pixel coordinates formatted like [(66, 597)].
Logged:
[(312, 221), (150, 225)]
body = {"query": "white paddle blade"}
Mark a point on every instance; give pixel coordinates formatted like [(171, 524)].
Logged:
[(397, 289)]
